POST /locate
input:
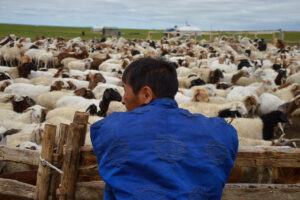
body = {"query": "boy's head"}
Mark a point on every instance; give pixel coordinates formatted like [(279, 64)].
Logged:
[(146, 79)]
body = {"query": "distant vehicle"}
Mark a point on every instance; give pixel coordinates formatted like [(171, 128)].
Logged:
[(170, 29)]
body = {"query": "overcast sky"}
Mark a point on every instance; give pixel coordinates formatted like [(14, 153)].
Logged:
[(156, 14)]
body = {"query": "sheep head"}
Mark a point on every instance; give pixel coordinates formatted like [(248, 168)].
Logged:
[(4, 85), (38, 113), (21, 103), (295, 89), (201, 95)]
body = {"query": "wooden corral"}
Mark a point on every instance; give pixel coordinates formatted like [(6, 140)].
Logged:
[(80, 178)]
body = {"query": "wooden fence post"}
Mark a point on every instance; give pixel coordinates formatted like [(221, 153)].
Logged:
[(58, 159), (70, 167), (83, 119), (43, 176)]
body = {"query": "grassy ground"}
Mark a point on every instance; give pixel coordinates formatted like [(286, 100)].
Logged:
[(66, 32), (71, 32)]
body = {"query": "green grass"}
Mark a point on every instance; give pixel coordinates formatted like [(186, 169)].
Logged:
[(71, 32), (66, 32)]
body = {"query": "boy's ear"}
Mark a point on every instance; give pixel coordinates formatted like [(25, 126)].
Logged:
[(147, 94)]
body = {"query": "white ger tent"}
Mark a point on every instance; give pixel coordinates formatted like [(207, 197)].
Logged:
[(188, 28)]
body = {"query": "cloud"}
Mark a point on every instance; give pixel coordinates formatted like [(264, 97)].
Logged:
[(218, 14)]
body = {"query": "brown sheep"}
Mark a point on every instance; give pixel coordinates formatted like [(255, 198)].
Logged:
[(95, 79), (86, 93), (84, 54)]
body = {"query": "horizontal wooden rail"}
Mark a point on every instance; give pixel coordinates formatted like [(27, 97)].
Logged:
[(261, 191), (18, 155), (268, 157), (84, 190), (16, 188), (95, 190), (247, 157)]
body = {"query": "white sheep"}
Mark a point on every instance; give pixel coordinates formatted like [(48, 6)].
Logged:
[(247, 127), (12, 71), (33, 54), (47, 58), (32, 114), (22, 80), (207, 109), (76, 102), (238, 93), (101, 87), (243, 141), (12, 55), (268, 103), (67, 60), (33, 91), (80, 64), (49, 99), (77, 83), (36, 74), (111, 64), (7, 106), (23, 135), (288, 93), (294, 78), (30, 145), (45, 81)]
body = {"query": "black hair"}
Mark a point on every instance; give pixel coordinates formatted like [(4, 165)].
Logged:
[(160, 75)]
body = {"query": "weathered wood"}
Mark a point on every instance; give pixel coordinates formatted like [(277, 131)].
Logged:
[(89, 173), (268, 157), (261, 191), (43, 178), (95, 190), (81, 118), (18, 155), (90, 190), (71, 161), (55, 179), (16, 189), (87, 156), (247, 156)]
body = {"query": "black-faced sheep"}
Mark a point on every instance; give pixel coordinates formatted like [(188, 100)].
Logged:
[(21, 103), (271, 120), (108, 96)]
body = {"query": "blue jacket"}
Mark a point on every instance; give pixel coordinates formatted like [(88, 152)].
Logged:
[(159, 151)]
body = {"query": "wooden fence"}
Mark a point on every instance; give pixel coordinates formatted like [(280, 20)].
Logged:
[(80, 179)]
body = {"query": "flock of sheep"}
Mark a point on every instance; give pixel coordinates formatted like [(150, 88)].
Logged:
[(254, 85)]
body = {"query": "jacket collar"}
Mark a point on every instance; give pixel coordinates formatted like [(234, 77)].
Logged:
[(164, 102)]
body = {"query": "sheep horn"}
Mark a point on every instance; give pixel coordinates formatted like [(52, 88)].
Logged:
[(288, 141), (282, 131), (230, 121), (11, 132)]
